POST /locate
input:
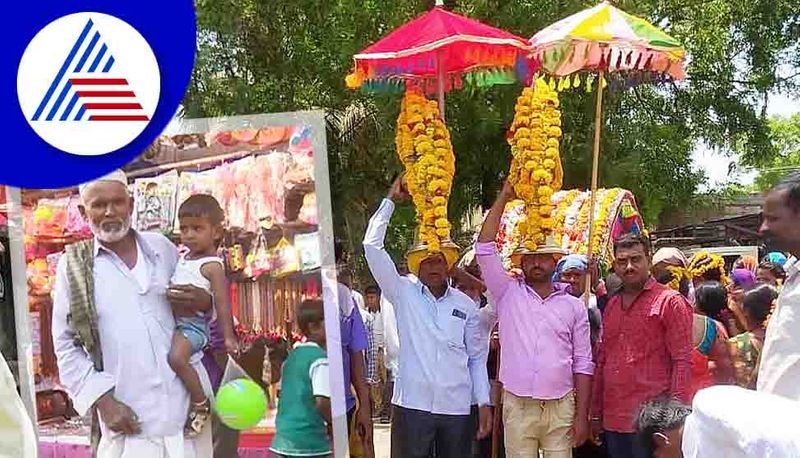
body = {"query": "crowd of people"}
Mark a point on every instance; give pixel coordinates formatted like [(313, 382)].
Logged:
[(548, 358), (589, 364)]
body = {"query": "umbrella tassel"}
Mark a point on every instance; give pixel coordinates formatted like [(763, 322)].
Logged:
[(648, 62), (619, 60)]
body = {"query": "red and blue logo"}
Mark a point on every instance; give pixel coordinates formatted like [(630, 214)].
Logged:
[(95, 87), (88, 88)]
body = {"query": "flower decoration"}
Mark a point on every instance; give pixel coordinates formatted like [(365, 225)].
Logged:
[(423, 145), (678, 274), (536, 171), (704, 262)]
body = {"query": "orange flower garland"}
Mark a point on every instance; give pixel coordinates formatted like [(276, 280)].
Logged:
[(536, 171), (423, 145)]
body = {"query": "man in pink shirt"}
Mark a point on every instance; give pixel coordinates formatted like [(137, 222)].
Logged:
[(545, 353)]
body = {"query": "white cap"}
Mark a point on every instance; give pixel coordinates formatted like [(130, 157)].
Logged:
[(115, 176)]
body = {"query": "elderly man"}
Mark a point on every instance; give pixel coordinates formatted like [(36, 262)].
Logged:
[(545, 352), (112, 329), (442, 355), (780, 359)]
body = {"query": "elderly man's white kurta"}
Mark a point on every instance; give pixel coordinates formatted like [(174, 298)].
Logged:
[(136, 326)]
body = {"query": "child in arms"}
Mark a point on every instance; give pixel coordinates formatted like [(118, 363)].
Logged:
[(200, 218)]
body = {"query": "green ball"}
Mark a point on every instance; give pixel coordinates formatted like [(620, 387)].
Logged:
[(241, 404)]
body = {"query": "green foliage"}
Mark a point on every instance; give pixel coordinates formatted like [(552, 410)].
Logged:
[(786, 138), (257, 56)]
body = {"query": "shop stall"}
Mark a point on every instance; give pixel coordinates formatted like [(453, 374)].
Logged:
[(264, 180)]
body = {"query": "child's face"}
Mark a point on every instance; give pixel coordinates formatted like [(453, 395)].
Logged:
[(198, 234)]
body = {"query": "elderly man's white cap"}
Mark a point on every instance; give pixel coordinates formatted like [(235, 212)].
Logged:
[(117, 176)]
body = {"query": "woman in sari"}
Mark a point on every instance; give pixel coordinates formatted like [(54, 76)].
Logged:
[(746, 347), (711, 360)]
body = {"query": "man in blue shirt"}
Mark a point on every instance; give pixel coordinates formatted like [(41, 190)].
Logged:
[(353, 336), (442, 351)]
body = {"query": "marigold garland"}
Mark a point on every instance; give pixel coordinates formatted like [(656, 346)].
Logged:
[(678, 274), (423, 145), (561, 213), (703, 262), (536, 171)]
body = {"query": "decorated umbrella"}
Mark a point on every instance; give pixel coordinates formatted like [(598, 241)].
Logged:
[(600, 40), (434, 51)]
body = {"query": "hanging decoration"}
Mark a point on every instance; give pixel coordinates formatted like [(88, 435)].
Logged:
[(609, 40), (423, 145), (615, 215), (536, 171), (440, 47)]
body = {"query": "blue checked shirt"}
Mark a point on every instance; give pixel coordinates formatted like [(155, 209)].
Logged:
[(442, 348)]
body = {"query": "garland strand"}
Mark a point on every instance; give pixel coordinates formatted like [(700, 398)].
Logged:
[(536, 171), (424, 147)]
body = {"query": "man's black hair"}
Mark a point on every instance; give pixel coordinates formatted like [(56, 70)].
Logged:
[(372, 289), (659, 416), (631, 240), (791, 184)]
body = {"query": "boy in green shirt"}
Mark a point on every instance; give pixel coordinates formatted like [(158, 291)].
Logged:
[(304, 407)]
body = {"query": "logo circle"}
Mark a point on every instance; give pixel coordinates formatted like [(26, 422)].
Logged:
[(88, 83), (28, 161)]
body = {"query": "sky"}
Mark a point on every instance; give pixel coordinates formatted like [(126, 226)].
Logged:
[(715, 164)]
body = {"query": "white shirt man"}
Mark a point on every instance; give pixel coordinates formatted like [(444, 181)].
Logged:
[(779, 372), (136, 325)]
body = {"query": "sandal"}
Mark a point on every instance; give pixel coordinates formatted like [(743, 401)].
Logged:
[(198, 416)]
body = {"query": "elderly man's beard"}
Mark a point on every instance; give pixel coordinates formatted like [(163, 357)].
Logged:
[(111, 230)]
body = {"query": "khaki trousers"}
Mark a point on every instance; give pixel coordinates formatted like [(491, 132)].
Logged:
[(532, 425)]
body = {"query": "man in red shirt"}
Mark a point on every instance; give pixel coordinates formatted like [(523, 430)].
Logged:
[(644, 352)]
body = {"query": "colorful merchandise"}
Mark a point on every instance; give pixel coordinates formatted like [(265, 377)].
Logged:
[(155, 202), (286, 259), (308, 212), (308, 248), (423, 144), (76, 224), (259, 259), (267, 199), (50, 217), (536, 171)]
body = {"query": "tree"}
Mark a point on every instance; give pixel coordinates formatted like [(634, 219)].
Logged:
[(786, 138), (257, 56)]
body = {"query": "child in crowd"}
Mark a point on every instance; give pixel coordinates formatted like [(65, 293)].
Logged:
[(200, 218), (304, 409)]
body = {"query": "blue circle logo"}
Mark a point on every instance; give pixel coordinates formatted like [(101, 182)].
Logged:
[(94, 88)]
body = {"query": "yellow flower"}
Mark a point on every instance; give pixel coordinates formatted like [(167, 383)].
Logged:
[(535, 170)]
